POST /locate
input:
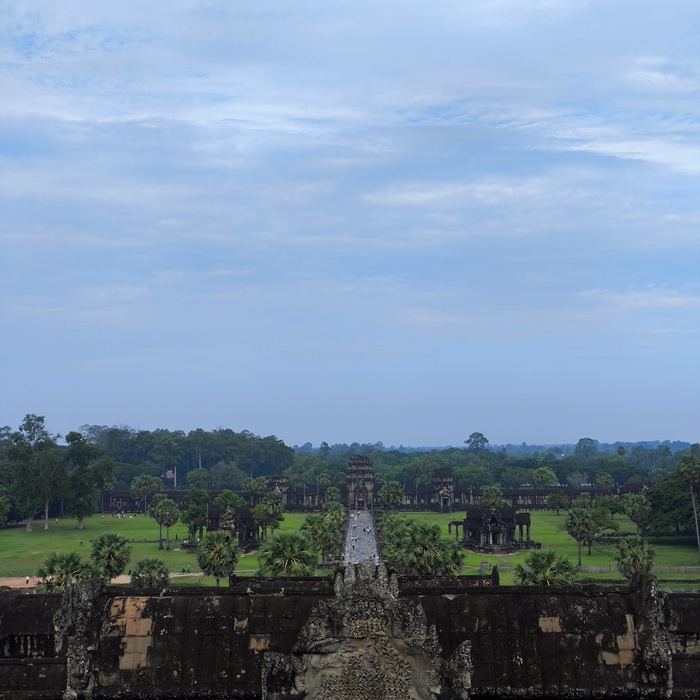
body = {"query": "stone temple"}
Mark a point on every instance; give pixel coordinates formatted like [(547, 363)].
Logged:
[(363, 634)]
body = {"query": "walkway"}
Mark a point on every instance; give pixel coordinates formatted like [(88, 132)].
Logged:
[(360, 539)]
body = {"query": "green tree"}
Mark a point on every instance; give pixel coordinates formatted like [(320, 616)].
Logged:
[(332, 493), (324, 534), (217, 555), (557, 501), (52, 481), (477, 443), (492, 497), (611, 503), (602, 520), (226, 475), (90, 473), (166, 513), (478, 476), (150, 572), (637, 508), (544, 567), (422, 551), (392, 527), (634, 554), (579, 525), (287, 553), (144, 486), (229, 499), (198, 479), (543, 477), (110, 554), (577, 479), (391, 494), (257, 486), (4, 509), (153, 513), (586, 447), (334, 512), (196, 510), (603, 480), (274, 506), (30, 452), (689, 470), (671, 506), (61, 568), (170, 515)]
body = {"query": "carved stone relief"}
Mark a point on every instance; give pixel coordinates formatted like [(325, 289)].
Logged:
[(367, 644)]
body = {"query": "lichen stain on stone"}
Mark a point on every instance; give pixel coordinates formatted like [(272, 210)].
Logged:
[(624, 657), (240, 626), (550, 624), (136, 634), (627, 641), (259, 642)]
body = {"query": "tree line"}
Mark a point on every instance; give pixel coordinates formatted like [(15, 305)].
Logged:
[(37, 471)]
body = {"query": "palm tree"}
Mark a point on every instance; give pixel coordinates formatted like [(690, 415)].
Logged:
[(422, 551), (634, 554), (334, 512), (274, 504), (144, 485), (150, 572), (637, 508), (492, 497), (324, 534), (391, 494), (579, 525), (166, 513), (392, 527), (169, 512), (689, 469), (332, 493), (217, 555), (543, 567), (157, 499), (110, 554), (63, 568), (287, 553)]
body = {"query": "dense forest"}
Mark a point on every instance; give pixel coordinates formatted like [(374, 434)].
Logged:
[(37, 468)]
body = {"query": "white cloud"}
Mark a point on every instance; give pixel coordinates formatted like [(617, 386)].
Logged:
[(641, 300), (110, 293)]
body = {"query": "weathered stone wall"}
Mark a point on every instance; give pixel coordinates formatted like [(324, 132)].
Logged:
[(595, 642), (31, 665), (681, 622)]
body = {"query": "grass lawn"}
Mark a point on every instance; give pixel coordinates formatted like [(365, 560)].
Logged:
[(547, 528), (21, 553)]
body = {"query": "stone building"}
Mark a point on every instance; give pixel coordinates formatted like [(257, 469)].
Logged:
[(365, 634), (494, 530), (360, 483)]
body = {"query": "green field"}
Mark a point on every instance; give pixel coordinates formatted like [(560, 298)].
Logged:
[(21, 553)]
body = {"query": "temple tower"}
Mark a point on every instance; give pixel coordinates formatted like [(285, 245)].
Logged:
[(443, 489), (360, 482)]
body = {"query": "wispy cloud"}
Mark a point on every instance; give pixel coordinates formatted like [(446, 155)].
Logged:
[(648, 299), (353, 202)]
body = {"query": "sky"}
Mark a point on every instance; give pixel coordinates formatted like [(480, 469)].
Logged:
[(397, 221)]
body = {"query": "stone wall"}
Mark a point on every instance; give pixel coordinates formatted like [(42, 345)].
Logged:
[(365, 635)]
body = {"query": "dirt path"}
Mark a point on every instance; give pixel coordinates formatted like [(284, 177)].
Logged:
[(21, 581)]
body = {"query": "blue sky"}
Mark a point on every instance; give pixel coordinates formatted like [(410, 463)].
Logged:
[(352, 221)]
